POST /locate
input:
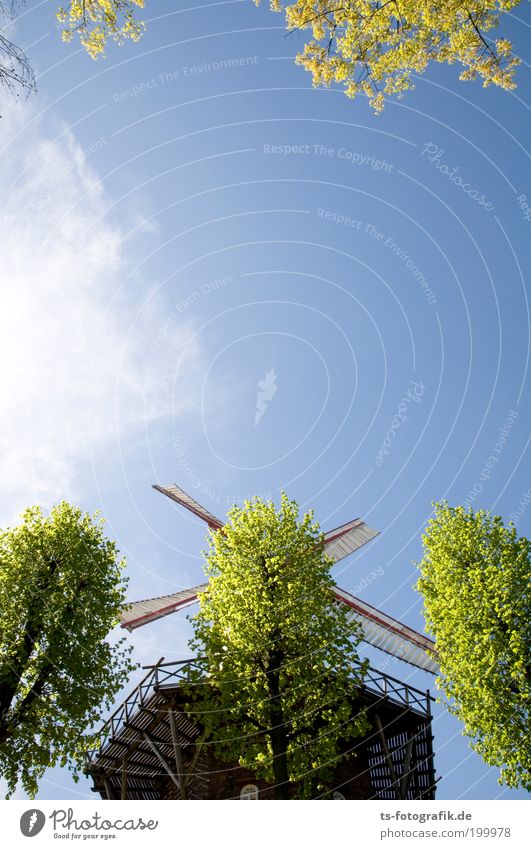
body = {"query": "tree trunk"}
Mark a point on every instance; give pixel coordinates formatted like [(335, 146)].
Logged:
[(11, 717), (277, 732), (32, 631)]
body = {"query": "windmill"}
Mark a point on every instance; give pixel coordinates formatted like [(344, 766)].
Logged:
[(379, 629), (152, 747)]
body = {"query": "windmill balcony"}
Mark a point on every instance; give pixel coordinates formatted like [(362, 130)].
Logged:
[(152, 749)]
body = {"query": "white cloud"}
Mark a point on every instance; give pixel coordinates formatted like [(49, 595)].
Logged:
[(74, 336)]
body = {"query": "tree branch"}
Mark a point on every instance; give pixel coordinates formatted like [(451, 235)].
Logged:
[(480, 34), (15, 69)]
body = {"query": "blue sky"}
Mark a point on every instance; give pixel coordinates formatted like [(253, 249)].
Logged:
[(189, 216)]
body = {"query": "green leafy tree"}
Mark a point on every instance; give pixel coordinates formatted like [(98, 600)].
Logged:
[(476, 583), (278, 667), (375, 47), (61, 590)]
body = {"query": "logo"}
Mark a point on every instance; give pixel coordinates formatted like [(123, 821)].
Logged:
[(266, 389), (32, 822)]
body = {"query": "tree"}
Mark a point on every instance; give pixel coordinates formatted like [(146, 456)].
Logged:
[(278, 668), (61, 590), (375, 46), (15, 70), (476, 583), (94, 21)]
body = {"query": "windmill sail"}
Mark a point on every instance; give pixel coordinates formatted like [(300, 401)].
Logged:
[(347, 538), (378, 628), (139, 613), (389, 634), (338, 543), (181, 497)]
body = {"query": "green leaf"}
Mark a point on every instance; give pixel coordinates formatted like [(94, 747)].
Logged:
[(476, 583)]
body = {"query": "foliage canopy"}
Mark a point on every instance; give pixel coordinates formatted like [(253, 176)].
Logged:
[(94, 21), (375, 47), (476, 583), (278, 656), (61, 590), (97, 21), (372, 47)]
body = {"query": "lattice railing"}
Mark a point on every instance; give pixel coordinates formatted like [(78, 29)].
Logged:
[(171, 673)]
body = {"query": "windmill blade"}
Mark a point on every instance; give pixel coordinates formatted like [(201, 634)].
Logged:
[(342, 541), (389, 634), (181, 497), (379, 629), (139, 613), (338, 543)]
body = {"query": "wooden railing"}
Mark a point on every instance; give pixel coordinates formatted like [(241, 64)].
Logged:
[(166, 675), (395, 690)]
